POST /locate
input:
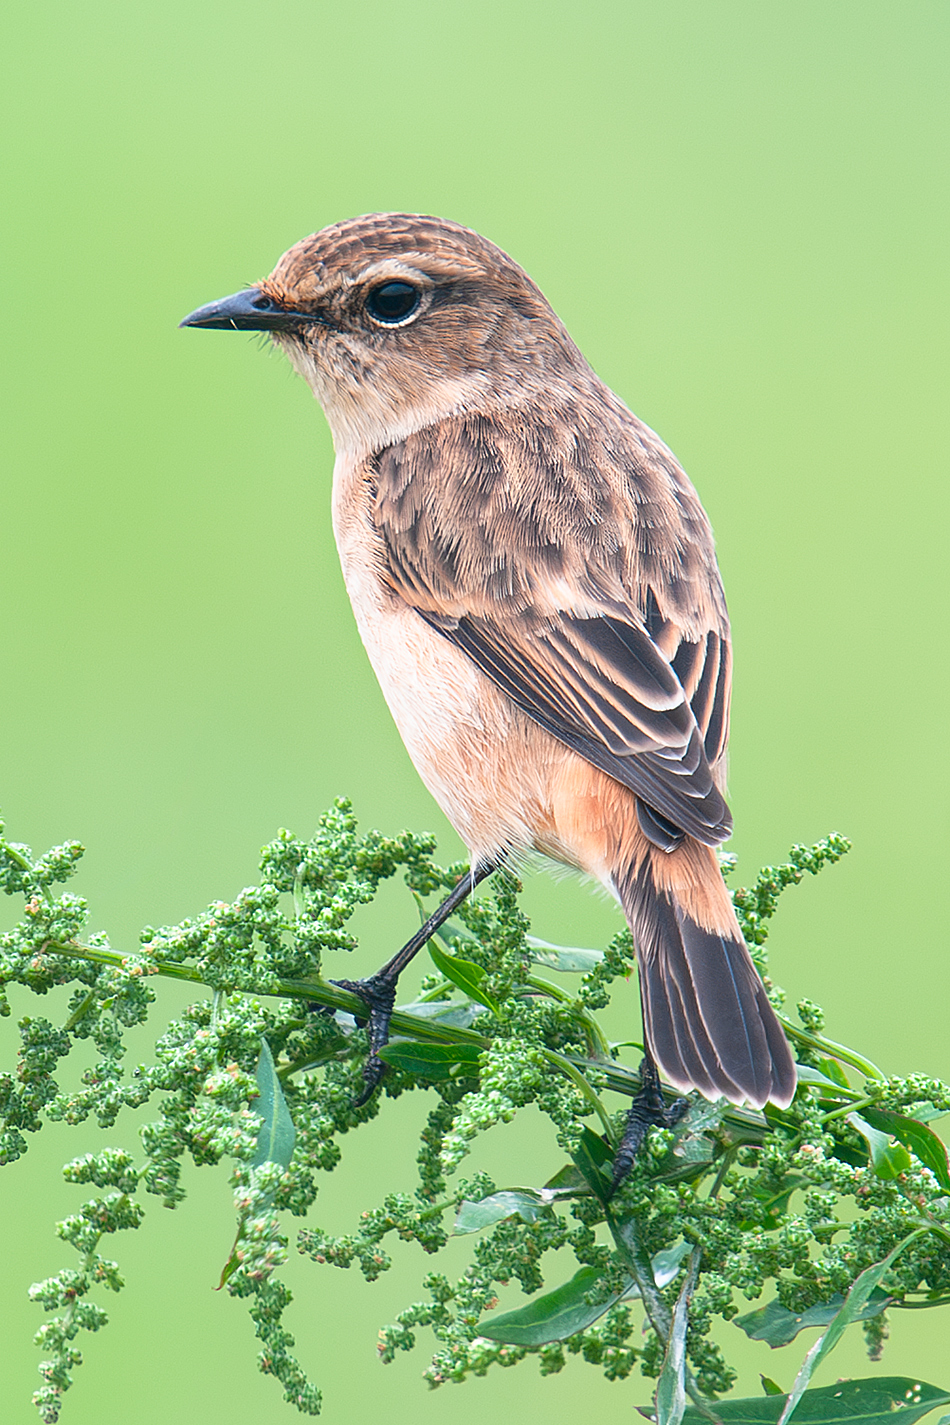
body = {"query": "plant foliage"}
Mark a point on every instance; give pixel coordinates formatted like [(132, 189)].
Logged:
[(835, 1209)]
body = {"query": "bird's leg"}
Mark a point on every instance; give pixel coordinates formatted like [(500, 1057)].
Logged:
[(648, 1110), (378, 992)]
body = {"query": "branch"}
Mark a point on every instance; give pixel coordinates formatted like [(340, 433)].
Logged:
[(318, 991)]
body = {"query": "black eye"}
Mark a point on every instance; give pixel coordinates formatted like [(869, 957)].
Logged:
[(392, 302)]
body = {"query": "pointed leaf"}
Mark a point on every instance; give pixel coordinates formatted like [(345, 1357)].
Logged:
[(592, 1156), (429, 1061), (807, 1075), (926, 1113), (885, 1400), (568, 1179), (855, 1302), (835, 1071), (276, 1138), (692, 1143), (230, 1266), (463, 973), (921, 1140), (452, 930), (777, 1326), (888, 1159), (440, 1011), (671, 1387), (521, 1202), (555, 1315), (769, 1386), (667, 1263), (563, 957)]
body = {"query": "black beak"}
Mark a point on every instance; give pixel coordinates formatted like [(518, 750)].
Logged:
[(247, 311)]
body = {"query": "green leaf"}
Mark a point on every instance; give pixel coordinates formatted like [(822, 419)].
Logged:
[(521, 1202), (885, 1400), (666, 1264), (834, 1071), (463, 973), (441, 1011), (276, 1138), (888, 1159), (775, 1204), (671, 1387), (555, 1315), (769, 1386), (692, 1143), (807, 1075), (921, 1140), (777, 1326), (563, 957), (855, 1302), (429, 1061), (568, 1180), (229, 1268), (451, 930), (926, 1113), (591, 1156)]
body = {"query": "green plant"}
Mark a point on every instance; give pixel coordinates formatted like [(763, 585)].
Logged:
[(840, 1202)]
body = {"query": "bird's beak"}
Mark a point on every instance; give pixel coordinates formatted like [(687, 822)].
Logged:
[(250, 310)]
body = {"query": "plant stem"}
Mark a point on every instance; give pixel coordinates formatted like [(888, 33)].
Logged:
[(848, 1109), (318, 990), (828, 1046), (641, 1269), (578, 1080), (595, 1036)]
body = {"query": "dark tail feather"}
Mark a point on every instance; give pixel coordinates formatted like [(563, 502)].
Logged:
[(706, 1017)]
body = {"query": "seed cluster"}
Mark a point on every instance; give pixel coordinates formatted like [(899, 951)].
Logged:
[(261, 1072)]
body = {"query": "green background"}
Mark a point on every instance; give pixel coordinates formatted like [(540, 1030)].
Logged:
[(740, 210)]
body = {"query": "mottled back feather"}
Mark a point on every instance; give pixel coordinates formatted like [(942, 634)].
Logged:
[(567, 554)]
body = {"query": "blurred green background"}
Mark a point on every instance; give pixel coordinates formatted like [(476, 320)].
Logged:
[(741, 212)]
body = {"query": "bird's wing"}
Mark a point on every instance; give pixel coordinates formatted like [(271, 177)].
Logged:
[(578, 574)]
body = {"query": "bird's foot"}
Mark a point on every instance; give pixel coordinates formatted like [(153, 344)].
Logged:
[(648, 1110), (378, 993)]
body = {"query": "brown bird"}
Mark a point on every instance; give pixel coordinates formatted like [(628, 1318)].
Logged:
[(535, 582)]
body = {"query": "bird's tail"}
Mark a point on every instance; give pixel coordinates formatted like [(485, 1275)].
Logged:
[(706, 1018)]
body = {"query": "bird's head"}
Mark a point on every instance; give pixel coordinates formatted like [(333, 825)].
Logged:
[(397, 321)]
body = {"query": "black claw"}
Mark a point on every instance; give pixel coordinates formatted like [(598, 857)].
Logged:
[(648, 1110), (379, 995)]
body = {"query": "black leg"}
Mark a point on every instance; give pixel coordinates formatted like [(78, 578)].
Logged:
[(648, 1110), (378, 992)]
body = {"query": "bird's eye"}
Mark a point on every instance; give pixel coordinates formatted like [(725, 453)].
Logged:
[(262, 303), (392, 302)]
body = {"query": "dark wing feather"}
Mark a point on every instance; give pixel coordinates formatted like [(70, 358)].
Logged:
[(484, 526), (580, 680)]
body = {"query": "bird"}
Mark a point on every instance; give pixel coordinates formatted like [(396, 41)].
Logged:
[(535, 582)]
